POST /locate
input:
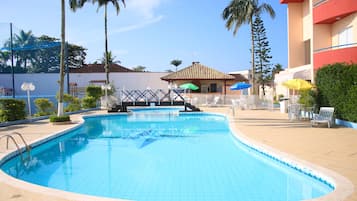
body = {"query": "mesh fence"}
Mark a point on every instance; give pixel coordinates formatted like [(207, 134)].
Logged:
[(30, 53)]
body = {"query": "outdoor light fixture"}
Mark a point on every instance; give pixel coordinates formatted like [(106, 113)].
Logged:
[(28, 86)]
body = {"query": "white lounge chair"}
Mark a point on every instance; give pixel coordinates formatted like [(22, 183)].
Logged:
[(324, 117)]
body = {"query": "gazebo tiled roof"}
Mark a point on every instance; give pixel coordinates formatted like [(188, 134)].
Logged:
[(197, 71), (99, 68)]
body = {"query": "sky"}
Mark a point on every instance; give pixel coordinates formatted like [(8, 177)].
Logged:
[(151, 33)]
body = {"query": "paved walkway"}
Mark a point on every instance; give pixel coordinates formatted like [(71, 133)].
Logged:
[(334, 149)]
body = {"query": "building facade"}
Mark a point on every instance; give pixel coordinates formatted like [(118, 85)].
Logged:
[(320, 32)]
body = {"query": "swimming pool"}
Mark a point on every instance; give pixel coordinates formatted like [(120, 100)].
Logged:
[(173, 157)]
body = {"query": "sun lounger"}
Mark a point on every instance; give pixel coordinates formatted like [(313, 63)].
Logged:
[(324, 117)]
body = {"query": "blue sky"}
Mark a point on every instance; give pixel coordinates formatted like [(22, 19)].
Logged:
[(151, 33)]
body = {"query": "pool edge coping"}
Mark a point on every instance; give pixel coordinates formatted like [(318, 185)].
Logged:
[(343, 187), (36, 191)]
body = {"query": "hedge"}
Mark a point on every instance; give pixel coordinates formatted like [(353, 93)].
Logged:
[(89, 102), (94, 91), (337, 87), (44, 106), (12, 110), (63, 118)]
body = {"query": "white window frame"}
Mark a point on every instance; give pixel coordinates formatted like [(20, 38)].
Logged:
[(345, 36)]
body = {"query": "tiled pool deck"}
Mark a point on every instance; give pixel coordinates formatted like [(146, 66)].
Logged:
[(333, 150)]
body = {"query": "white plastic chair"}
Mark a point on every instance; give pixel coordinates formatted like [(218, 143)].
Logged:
[(294, 111), (325, 116), (235, 104), (215, 101)]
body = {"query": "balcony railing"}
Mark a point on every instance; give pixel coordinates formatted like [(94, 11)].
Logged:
[(335, 47), (319, 3)]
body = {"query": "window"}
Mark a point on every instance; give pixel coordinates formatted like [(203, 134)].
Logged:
[(345, 36), (213, 87), (307, 49)]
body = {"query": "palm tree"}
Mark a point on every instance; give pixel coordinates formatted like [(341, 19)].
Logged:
[(176, 63), (60, 111), (139, 69), (111, 58), (276, 69), (116, 4), (24, 40), (239, 12), (74, 4)]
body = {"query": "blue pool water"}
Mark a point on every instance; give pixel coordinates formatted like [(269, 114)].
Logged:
[(155, 157)]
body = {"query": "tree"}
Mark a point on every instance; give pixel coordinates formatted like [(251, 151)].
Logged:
[(276, 69), (262, 54), (74, 4), (239, 12), (48, 59), (60, 111), (116, 4), (24, 41), (176, 63), (111, 58), (76, 56), (4, 58), (139, 68)]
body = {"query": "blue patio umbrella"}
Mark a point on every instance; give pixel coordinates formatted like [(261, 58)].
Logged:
[(240, 86)]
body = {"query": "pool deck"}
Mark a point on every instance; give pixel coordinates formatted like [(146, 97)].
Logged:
[(333, 150)]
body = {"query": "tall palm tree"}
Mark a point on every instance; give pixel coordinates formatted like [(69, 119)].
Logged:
[(239, 12), (116, 4), (74, 4), (111, 58), (60, 110), (176, 63)]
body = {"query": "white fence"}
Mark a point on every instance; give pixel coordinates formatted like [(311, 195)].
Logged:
[(47, 83)]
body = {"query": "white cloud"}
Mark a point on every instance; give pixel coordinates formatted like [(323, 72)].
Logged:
[(144, 8), (137, 26)]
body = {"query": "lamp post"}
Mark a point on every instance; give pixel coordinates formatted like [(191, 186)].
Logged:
[(106, 87), (28, 86)]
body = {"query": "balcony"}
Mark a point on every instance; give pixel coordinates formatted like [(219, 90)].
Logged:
[(330, 11), (291, 1), (330, 55)]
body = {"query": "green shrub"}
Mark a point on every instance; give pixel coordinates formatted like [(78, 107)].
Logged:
[(44, 106), (349, 110), (89, 102), (63, 118), (94, 91), (12, 110), (74, 104), (307, 97), (336, 85)]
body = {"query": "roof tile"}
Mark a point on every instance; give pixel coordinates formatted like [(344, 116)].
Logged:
[(198, 71)]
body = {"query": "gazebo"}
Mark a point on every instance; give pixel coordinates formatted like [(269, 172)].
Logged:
[(207, 79)]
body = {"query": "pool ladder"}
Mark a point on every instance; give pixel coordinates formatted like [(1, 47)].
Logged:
[(12, 138)]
